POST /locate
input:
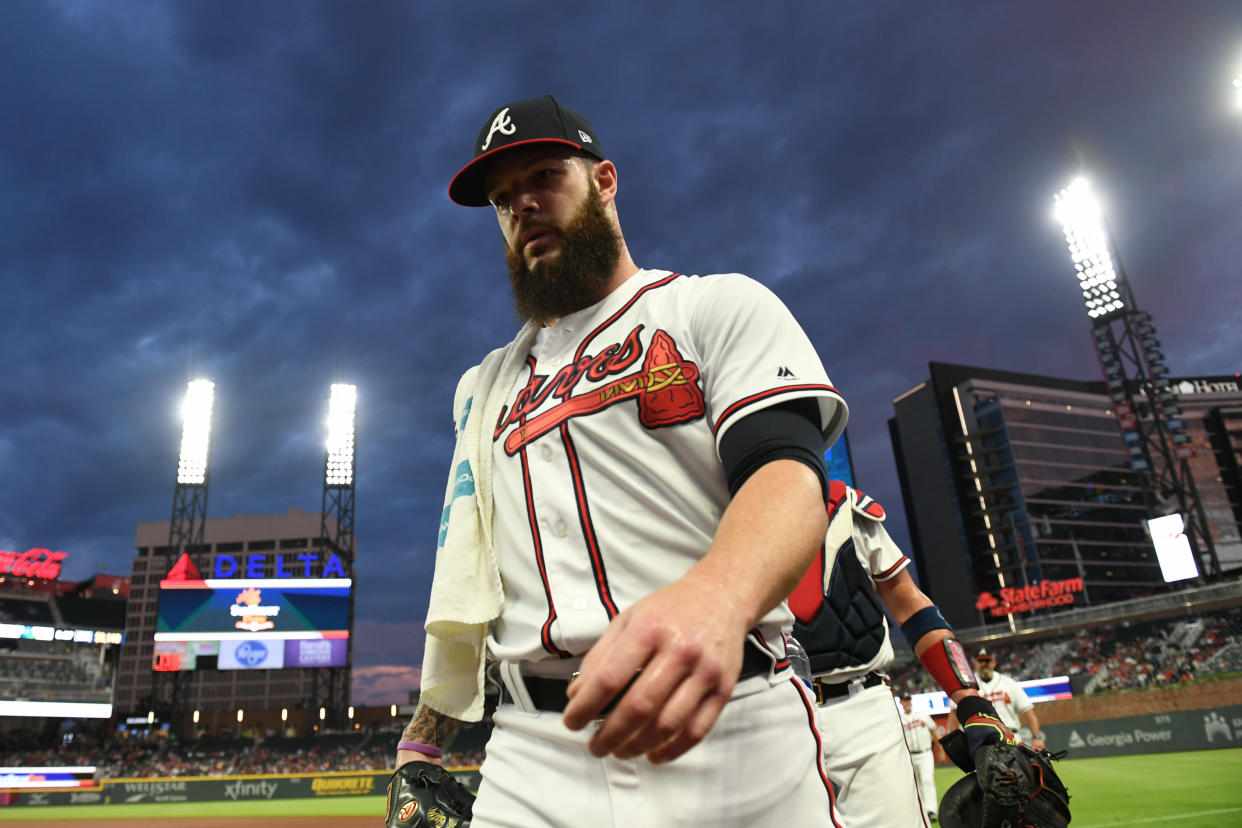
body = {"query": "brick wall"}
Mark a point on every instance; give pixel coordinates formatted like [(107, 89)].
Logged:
[(1141, 702)]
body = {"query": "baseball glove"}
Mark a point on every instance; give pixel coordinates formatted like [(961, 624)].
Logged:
[(1012, 785), (423, 795)]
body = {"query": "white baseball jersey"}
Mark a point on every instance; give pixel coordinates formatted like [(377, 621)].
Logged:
[(919, 729), (1008, 697), (608, 482)]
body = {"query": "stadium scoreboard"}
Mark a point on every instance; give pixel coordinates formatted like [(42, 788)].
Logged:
[(247, 621)]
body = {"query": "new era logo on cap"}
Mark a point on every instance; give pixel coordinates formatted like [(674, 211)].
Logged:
[(530, 121)]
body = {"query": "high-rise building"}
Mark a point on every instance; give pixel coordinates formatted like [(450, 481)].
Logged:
[(1020, 496), (249, 546)]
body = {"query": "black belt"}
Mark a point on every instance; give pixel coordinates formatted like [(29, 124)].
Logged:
[(825, 691), (550, 693)]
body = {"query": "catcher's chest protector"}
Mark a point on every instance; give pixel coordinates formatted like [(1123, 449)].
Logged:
[(847, 628)]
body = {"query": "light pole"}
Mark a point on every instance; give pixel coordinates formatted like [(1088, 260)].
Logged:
[(1132, 361)]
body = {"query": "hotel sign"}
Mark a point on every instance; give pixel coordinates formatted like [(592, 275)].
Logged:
[(1204, 385)]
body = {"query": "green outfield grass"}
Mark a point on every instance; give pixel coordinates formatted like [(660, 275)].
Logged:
[(1200, 789), (1196, 789)]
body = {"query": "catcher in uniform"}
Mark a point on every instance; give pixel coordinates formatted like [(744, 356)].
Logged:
[(638, 484), (920, 733), (840, 621)]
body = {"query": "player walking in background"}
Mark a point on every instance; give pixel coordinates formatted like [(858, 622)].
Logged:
[(1012, 704), (638, 484), (839, 610), (920, 733)]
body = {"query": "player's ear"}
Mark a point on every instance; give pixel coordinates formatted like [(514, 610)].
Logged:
[(604, 174)]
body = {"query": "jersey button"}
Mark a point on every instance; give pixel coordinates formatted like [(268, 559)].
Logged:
[(545, 452), (561, 529)]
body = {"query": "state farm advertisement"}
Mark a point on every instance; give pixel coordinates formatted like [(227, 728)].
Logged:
[(1035, 596)]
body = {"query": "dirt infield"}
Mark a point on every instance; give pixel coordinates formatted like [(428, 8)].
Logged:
[(228, 822)]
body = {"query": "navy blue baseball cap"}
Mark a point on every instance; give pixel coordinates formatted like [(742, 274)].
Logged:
[(531, 121)]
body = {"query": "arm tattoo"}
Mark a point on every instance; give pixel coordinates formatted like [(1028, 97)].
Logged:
[(430, 727)]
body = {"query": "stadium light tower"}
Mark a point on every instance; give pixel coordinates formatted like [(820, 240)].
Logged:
[(1147, 406), (185, 530), (189, 512), (330, 685)]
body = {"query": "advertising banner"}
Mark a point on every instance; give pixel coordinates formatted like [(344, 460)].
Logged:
[(229, 789), (1219, 727), (252, 655), (316, 652)]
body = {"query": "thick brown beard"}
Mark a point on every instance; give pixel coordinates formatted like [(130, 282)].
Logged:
[(577, 276)]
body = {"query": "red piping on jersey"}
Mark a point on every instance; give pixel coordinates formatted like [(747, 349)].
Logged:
[(545, 634), (587, 341), (888, 572), (763, 395), (759, 641), (588, 531), (809, 706)]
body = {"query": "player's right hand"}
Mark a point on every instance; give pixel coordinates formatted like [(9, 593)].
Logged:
[(688, 643)]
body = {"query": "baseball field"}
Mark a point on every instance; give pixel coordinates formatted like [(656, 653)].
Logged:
[(1201, 789)]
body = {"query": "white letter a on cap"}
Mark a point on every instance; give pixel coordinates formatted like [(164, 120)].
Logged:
[(503, 124)]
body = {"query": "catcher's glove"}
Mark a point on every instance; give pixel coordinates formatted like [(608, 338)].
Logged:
[(1012, 785), (423, 795)]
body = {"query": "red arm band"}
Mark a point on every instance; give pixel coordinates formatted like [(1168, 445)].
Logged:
[(949, 666)]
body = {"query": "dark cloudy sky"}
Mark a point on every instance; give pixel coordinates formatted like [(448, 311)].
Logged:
[(254, 192)]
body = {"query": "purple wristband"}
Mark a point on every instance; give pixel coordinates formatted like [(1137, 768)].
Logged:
[(426, 750)]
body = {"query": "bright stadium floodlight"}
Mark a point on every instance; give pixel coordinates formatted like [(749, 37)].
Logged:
[(1237, 91), (195, 432), (1081, 217), (341, 407)]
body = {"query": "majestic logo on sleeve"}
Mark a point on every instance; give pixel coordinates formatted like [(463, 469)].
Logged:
[(503, 124), (666, 387)]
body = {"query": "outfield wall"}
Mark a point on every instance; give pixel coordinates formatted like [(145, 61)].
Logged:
[(1219, 727), (227, 788)]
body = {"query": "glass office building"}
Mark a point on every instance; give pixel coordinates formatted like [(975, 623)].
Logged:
[(1020, 484)]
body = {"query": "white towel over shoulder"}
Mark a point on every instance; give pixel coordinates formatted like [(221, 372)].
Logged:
[(466, 593)]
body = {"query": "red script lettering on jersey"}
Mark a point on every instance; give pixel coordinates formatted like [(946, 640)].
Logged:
[(613, 359)]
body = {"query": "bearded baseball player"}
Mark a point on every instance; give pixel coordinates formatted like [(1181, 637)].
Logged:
[(839, 609), (920, 733), (1012, 704), (638, 484)]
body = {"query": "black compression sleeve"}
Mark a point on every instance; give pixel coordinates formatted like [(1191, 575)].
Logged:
[(788, 431)]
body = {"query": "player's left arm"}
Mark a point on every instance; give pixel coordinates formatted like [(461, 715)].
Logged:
[(688, 637), (944, 657), (1030, 720)]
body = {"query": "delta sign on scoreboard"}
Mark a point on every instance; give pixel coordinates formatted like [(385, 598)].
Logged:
[(251, 623)]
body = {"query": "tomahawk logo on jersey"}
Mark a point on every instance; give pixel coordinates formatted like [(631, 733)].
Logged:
[(625, 402)]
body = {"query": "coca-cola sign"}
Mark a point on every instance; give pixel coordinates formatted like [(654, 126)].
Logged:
[(33, 563)]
